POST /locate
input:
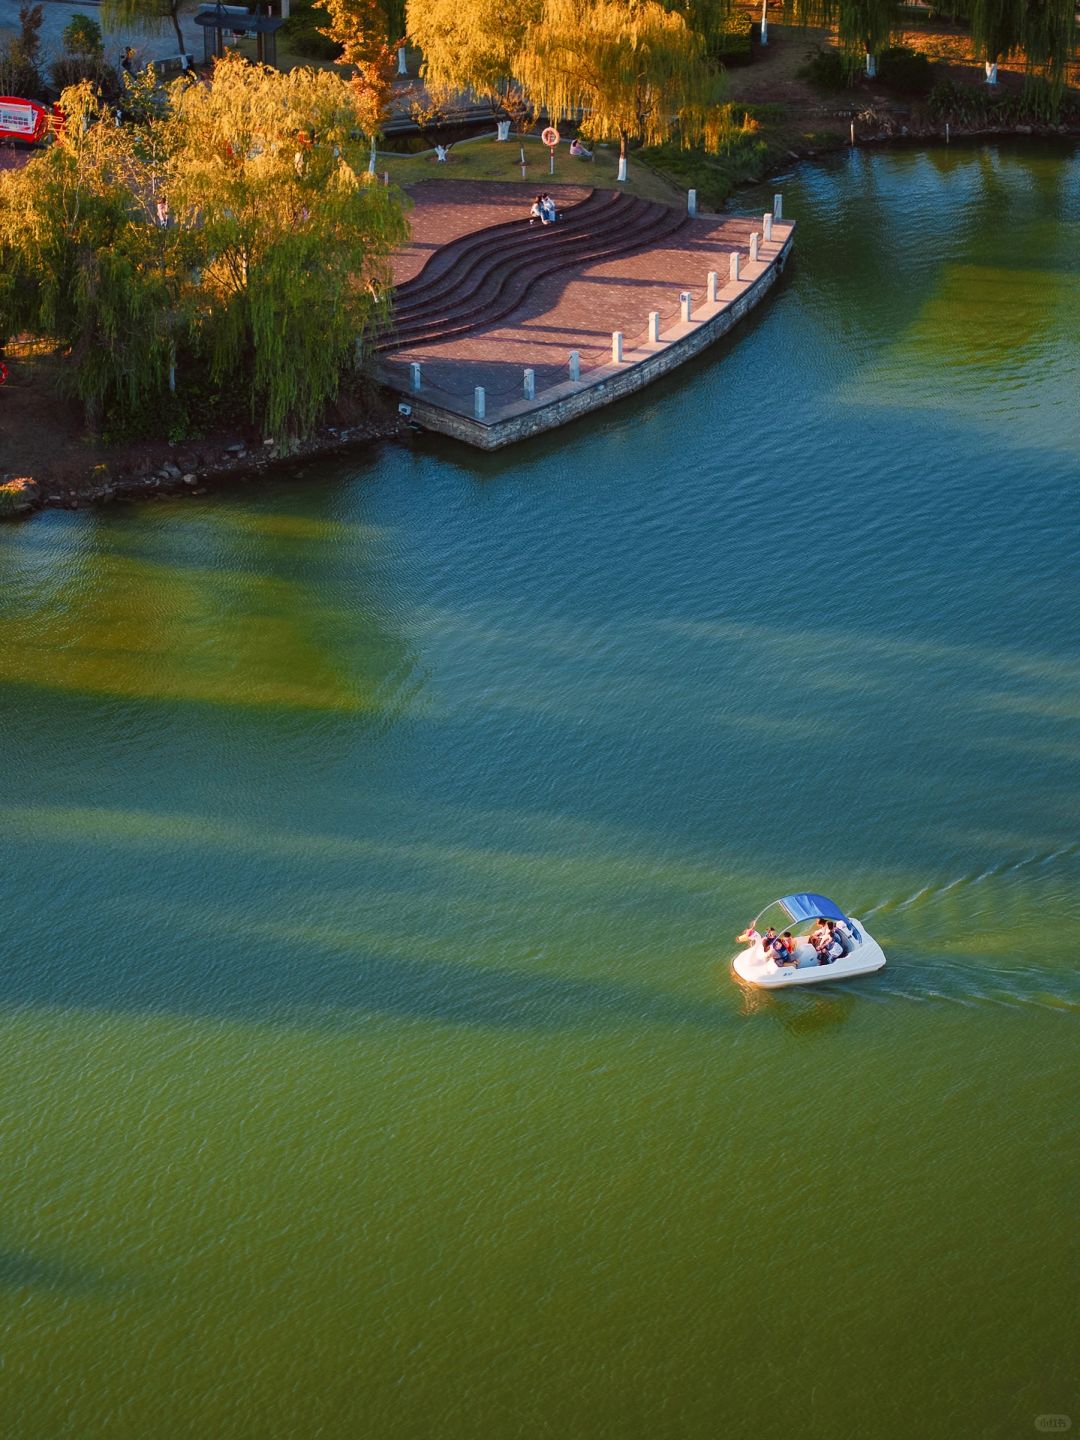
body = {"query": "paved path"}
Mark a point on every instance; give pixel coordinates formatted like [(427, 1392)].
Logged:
[(576, 310), (147, 47)]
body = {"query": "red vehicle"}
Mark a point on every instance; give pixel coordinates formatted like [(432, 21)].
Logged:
[(25, 120)]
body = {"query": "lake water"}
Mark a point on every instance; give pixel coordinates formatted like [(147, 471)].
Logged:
[(375, 842)]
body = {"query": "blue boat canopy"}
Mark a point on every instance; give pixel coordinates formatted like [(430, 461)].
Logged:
[(809, 907)]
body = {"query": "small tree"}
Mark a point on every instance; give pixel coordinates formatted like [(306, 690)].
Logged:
[(19, 73), (429, 117), (84, 58), (359, 28), (82, 36), (31, 19)]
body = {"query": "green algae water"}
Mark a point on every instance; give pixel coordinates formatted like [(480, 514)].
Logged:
[(374, 841)]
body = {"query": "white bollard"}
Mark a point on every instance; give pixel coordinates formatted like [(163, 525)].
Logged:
[(871, 66), (654, 327), (401, 68), (575, 365), (530, 384), (778, 208), (479, 399), (733, 263), (753, 247), (686, 301), (616, 346), (414, 374), (503, 130), (691, 203), (766, 226), (713, 290), (622, 168)]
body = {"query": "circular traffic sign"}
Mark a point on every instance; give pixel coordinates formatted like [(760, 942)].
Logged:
[(550, 136)]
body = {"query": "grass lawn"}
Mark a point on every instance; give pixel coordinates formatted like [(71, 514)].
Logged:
[(485, 158)]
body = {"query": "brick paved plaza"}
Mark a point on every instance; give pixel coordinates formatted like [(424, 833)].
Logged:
[(576, 309)]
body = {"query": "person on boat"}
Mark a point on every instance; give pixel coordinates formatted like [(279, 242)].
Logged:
[(829, 947), (819, 933), (820, 938), (779, 948)]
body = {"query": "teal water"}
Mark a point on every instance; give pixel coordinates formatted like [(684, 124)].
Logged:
[(374, 843)]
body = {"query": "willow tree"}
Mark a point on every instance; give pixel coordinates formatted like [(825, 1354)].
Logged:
[(864, 27), (639, 72), (152, 16), (1048, 38), (995, 30), (293, 242), (475, 46), (83, 264), (1042, 31)]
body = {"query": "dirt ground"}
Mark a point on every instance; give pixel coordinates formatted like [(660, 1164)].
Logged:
[(773, 77), (43, 436)]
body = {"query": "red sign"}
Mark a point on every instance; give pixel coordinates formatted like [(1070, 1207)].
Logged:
[(550, 136), (22, 119)]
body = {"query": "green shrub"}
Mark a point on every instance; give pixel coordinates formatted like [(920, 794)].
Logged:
[(745, 157), (16, 497), (301, 32), (905, 70), (732, 45), (71, 69), (976, 106), (829, 70)]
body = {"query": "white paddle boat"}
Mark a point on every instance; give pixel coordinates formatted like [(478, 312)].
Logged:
[(758, 966)]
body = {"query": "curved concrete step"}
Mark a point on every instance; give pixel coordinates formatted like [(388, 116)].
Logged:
[(515, 284), (467, 282), (459, 255)]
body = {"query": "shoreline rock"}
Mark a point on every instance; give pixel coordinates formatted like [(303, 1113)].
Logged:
[(203, 464)]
